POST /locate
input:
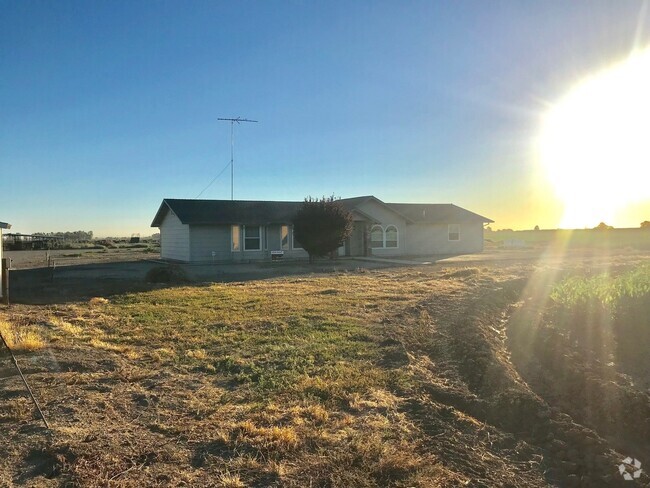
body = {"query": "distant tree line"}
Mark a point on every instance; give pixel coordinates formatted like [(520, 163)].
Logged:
[(603, 226), (77, 235)]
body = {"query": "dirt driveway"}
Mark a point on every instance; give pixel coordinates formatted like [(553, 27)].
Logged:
[(72, 257)]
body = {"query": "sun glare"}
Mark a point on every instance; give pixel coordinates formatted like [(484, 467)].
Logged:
[(595, 143)]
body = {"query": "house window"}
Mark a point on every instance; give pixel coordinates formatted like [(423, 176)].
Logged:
[(391, 237), (284, 237), (235, 238), (252, 238), (294, 243), (376, 237), (454, 232)]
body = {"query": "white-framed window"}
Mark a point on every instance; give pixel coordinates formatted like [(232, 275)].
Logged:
[(454, 232), (391, 237), (235, 238), (284, 237), (252, 238), (376, 237), (384, 238), (294, 243)]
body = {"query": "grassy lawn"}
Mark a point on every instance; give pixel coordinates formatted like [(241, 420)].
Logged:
[(394, 377), (287, 381)]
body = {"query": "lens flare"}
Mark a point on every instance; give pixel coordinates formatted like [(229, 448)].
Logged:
[(595, 143)]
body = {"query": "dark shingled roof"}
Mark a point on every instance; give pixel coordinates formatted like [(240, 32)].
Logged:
[(204, 212), (227, 211), (436, 213), (4, 225), (354, 202)]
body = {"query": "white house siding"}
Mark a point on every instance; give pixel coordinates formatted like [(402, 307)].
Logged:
[(386, 217), (206, 239), (427, 239), (174, 238)]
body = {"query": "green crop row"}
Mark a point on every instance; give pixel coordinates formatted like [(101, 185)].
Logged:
[(605, 288)]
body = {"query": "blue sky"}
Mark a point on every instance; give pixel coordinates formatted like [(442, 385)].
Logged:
[(108, 107)]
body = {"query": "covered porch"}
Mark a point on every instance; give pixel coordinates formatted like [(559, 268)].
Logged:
[(358, 244)]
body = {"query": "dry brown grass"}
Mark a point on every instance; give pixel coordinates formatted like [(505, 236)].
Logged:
[(197, 354), (98, 301), (229, 480), (274, 382), (66, 327), (324, 380), (21, 338), (99, 344)]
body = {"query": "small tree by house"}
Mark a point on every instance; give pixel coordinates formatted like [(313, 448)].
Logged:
[(321, 226)]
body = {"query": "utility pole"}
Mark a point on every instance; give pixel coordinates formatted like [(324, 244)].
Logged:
[(232, 151)]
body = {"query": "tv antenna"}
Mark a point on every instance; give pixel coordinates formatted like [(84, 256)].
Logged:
[(232, 150)]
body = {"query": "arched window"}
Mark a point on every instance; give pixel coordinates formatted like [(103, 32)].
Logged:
[(392, 237), (376, 236)]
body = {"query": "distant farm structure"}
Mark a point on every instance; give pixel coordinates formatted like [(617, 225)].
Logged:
[(29, 242)]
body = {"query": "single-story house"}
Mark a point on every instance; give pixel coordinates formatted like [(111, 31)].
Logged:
[(234, 230), (3, 225)]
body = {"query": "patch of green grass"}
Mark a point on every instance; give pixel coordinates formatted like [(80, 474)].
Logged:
[(606, 317), (270, 337), (605, 289)]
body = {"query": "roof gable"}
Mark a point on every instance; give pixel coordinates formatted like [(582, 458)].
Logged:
[(353, 203), (437, 213)]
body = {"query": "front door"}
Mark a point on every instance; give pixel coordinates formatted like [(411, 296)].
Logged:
[(358, 239)]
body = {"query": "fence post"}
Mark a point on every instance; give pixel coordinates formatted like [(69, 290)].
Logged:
[(5, 280)]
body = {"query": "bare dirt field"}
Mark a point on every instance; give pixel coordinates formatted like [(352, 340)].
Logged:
[(73, 257), (345, 373)]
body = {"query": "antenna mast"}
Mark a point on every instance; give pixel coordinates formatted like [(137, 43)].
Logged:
[(232, 150)]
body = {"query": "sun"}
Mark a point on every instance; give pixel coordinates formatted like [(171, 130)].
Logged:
[(595, 143)]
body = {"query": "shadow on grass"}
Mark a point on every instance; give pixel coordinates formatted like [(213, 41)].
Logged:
[(74, 283), (47, 286)]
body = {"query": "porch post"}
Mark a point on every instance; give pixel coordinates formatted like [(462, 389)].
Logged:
[(366, 246)]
